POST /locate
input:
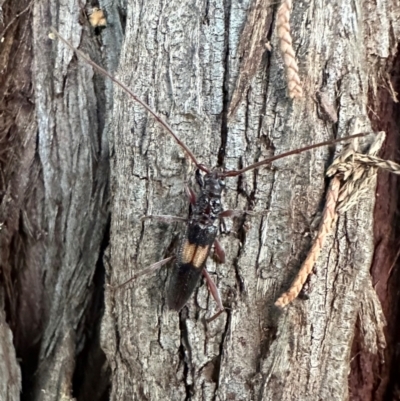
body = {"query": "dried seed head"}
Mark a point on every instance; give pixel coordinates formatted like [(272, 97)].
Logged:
[(97, 17)]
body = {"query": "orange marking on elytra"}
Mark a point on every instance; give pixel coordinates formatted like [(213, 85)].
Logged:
[(194, 254), (200, 256), (188, 251)]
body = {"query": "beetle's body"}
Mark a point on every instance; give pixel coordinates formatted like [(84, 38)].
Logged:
[(204, 213), (200, 235)]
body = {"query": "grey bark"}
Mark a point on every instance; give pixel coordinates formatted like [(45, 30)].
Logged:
[(55, 194), (185, 65), (185, 59), (10, 385), (72, 107)]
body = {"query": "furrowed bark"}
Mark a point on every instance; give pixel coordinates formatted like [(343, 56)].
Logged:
[(64, 128), (186, 66), (10, 373), (54, 195), (72, 106)]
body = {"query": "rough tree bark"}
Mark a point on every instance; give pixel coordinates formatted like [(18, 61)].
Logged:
[(185, 59), (186, 65), (54, 210)]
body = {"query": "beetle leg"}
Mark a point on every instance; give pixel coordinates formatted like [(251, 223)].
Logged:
[(219, 251), (164, 217), (190, 194), (143, 272), (199, 179), (215, 293), (215, 316), (231, 213)]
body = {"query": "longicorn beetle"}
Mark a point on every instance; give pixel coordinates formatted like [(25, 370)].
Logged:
[(204, 214)]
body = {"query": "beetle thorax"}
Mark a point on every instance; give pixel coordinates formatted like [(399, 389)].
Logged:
[(208, 205), (213, 184)]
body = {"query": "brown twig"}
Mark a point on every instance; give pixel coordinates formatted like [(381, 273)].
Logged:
[(287, 51), (327, 222)]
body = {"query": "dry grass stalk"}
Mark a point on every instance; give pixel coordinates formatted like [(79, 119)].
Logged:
[(287, 51), (353, 174), (327, 222), (358, 172)]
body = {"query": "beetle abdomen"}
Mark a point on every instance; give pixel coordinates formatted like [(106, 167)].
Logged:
[(186, 274), (194, 251), (182, 284)]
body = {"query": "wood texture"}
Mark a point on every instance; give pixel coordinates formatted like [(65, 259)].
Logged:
[(82, 164), (10, 373), (186, 66)]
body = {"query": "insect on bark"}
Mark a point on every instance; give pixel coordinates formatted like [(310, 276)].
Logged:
[(204, 214)]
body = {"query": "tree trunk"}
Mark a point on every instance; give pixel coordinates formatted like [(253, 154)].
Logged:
[(55, 195), (206, 68), (186, 63)]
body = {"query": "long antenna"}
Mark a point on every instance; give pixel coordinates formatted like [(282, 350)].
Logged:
[(234, 173), (134, 96), (163, 123)]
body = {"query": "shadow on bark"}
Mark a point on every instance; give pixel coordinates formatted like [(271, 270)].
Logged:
[(370, 379)]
